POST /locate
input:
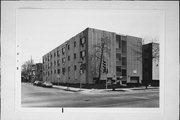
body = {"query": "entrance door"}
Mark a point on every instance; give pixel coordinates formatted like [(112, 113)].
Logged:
[(134, 79)]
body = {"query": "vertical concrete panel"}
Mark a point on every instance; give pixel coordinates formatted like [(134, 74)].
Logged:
[(134, 58), (94, 39)]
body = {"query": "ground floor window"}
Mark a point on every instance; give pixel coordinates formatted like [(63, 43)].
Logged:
[(123, 72)]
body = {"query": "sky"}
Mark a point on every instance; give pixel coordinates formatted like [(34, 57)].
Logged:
[(41, 30)]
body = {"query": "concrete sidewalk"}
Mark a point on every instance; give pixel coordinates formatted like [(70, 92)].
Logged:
[(84, 90), (73, 89)]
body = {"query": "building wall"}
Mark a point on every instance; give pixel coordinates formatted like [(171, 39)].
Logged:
[(73, 76), (92, 39), (151, 63), (134, 59), (39, 71), (95, 36), (147, 63)]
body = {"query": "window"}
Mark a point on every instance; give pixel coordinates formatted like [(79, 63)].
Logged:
[(51, 56), (123, 60), (123, 37), (74, 43), (58, 71), (124, 46), (58, 62), (54, 54), (63, 71), (75, 67), (48, 58), (118, 41), (123, 72), (58, 53), (48, 65), (118, 68), (82, 54), (54, 71), (68, 58), (82, 41), (118, 57), (69, 68), (63, 60), (68, 47), (54, 63), (74, 55), (63, 51)]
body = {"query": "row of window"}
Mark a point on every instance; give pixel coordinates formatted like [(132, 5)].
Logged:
[(57, 63), (49, 57), (58, 71)]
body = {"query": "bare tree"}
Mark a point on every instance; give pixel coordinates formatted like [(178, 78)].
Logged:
[(101, 51), (26, 69)]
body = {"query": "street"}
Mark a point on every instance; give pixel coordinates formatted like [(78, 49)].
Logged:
[(33, 96)]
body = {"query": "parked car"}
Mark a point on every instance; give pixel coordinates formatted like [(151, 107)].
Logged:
[(47, 84), (37, 83)]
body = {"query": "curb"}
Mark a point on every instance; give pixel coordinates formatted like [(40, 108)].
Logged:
[(65, 89), (100, 90)]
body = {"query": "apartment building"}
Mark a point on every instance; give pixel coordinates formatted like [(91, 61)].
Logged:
[(38, 71), (78, 59), (151, 64)]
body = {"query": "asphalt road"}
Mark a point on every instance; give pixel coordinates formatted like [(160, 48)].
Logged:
[(33, 96)]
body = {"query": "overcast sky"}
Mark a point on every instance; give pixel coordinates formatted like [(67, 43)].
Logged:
[(41, 30)]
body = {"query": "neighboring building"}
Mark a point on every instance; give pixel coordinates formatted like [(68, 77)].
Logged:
[(151, 64), (38, 71), (32, 73), (122, 59)]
